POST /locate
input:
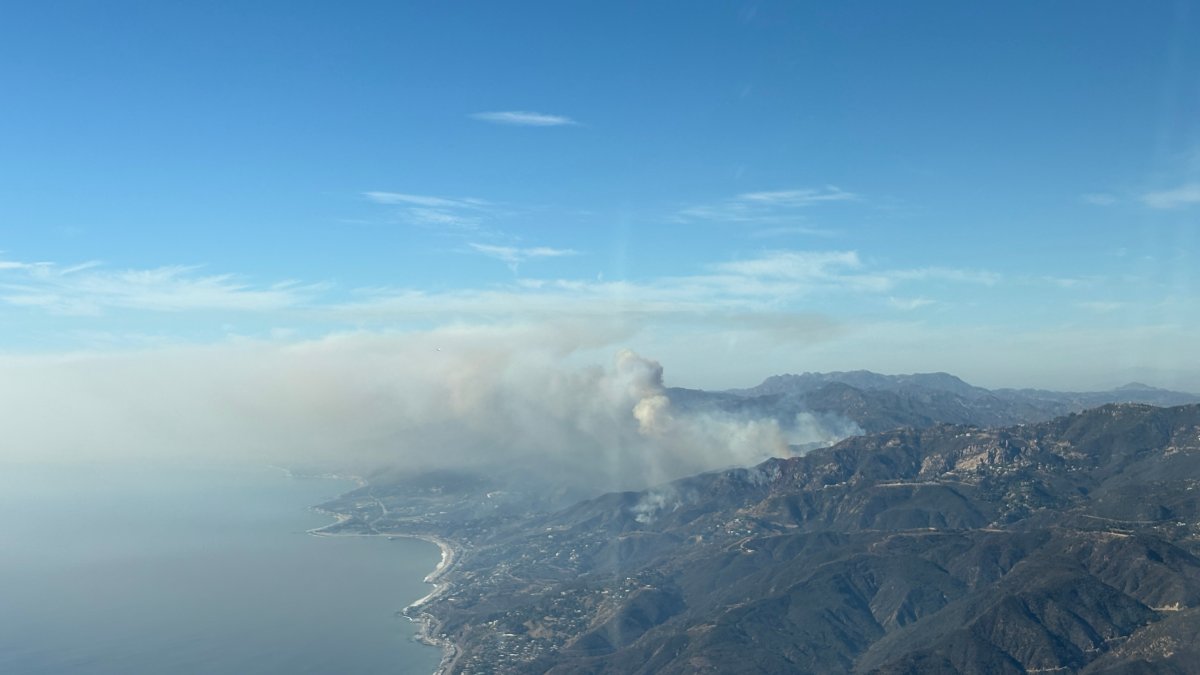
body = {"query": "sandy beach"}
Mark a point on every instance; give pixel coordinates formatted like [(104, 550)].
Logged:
[(429, 626)]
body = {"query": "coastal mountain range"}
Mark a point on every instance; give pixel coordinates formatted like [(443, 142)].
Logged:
[(878, 402), (963, 531)]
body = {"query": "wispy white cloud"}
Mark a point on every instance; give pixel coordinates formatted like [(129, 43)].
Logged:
[(524, 118), (1101, 306), (8, 265), (764, 207), (1063, 282), (1098, 199), (909, 304), (1180, 197), (465, 214), (426, 200), (513, 256), (444, 219), (794, 264), (772, 283), (91, 289), (951, 274), (797, 197), (844, 270), (787, 230), (781, 283)]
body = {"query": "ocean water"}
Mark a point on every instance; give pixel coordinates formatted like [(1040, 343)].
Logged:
[(136, 569)]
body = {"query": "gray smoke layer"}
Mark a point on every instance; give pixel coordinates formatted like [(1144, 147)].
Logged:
[(451, 398)]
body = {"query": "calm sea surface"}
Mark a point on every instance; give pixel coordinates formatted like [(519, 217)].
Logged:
[(112, 569)]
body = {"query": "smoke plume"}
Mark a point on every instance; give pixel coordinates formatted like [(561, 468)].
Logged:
[(449, 398)]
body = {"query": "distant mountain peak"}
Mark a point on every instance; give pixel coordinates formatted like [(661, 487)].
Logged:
[(861, 379), (875, 402), (1137, 386)]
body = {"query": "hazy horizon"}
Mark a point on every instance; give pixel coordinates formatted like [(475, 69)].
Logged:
[(465, 250), (288, 232)]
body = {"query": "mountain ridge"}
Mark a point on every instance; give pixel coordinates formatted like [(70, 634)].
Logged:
[(876, 402), (956, 528), (947, 549)]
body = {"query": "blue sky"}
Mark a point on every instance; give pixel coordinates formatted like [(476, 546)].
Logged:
[(1008, 192)]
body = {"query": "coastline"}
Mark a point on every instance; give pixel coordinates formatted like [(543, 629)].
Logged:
[(429, 625), (358, 481), (427, 632)]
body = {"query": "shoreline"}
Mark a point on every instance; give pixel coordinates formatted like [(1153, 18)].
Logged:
[(358, 481), (429, 625)]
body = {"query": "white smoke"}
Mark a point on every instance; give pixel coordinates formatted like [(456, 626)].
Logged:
[(814, 430), (689, 443), (448, 398), (653, 502)]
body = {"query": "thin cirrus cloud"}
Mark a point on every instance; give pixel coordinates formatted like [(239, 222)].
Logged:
[(764, 206), (513, 256), (908, 304), (780, 296), (769, 283), (89, 289), (797, 197), (463, 214), (805, 272), (1176, 198), (794, 264), (1098, 199), (789, 230), (425, 200), (1102, 306), (523, 118), (773, 282)]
